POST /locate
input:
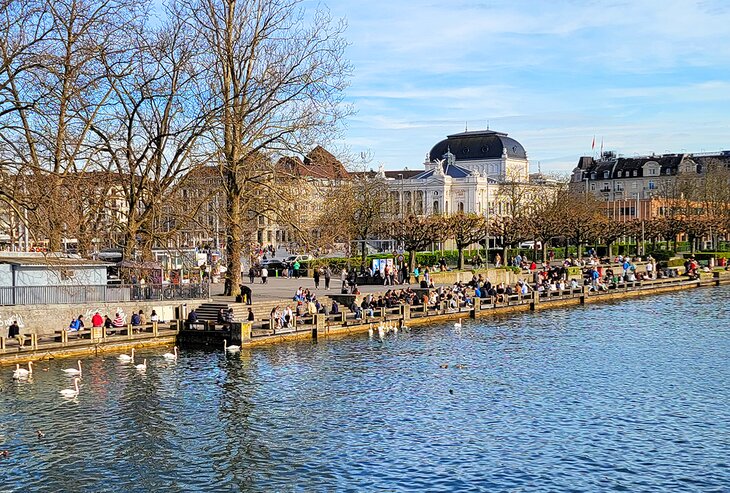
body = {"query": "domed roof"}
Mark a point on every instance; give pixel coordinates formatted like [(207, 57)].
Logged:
[(479, 145)]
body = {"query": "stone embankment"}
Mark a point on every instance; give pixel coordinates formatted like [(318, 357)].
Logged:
[(324, 326)]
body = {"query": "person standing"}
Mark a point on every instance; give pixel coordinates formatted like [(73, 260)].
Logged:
[(498, 260), (296, 269), (316, 275), (246, 293), (264, 274), (343, 277), (327, 277)]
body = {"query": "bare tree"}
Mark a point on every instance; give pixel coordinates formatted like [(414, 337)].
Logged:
[(416, 233), (276, 78), (465, 229)]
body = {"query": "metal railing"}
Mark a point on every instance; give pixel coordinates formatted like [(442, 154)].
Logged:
[(112, 293)]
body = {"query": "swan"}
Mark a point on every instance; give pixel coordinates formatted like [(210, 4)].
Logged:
[(381, 331), (73, 371), (172, 355), (230, 349), (22, 372), (71, 392), (126, 357), (457, 325), (370, 331), (142, 367)]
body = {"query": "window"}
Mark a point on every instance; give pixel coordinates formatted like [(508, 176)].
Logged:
[(652, 185), (606, 175), (461, 207), (593, 187), (606, 187), (618, 174), (435, 206), (634, 173), (619, 187), (634, 185)]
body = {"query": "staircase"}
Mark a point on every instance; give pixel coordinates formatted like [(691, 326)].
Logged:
[(261, 309)]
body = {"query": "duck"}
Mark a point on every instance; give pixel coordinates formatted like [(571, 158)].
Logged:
[(459, 366), (41, 434), (71, 392), (172, 355), (444, 365), (457, 325), (230, 349), (73, 371), (126, 358), (4, 454), (143, 366), (22, 373)]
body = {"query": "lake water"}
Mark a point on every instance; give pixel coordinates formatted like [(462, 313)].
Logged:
[(631, 396)]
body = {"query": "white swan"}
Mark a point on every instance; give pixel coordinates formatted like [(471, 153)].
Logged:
[(230, 349), (21, 373), (142, 367), (71, 392), (126, 357), (457, 325), (73, 371), (370, 331), (172, 355), (381, 331)]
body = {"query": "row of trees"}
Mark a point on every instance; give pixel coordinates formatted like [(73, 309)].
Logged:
[(699, 205), (146, 95)]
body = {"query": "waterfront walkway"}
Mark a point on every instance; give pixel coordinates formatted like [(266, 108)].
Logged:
[(320, 325)]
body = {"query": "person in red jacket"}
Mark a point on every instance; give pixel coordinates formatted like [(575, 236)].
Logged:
[(96, 320)]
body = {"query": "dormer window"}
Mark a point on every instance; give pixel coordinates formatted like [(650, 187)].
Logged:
[(606, 174), (635, 173)]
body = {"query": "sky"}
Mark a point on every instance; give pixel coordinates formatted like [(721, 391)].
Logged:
[(644, 76)]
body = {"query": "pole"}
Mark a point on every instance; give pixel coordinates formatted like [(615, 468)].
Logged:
[(486, 243)]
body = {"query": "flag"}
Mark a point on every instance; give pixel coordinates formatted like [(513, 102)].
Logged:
[(601, 146), (593, 145)]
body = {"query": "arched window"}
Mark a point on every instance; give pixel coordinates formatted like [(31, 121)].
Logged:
[(419, 202), (461, 207), (408, 203), (435, 206)]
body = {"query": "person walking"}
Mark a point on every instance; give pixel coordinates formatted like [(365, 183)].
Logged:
[(264, 274), (316, 275), (343, 277), (327, 277), (251, 274)]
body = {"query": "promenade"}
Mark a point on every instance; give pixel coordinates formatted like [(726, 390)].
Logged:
[(323, 326)]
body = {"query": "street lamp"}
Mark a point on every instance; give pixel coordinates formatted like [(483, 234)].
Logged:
[(402, 207)]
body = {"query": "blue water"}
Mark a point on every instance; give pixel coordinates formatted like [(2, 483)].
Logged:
[(630, 396)]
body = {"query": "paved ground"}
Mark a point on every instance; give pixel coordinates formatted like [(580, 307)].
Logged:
[(282, 288)]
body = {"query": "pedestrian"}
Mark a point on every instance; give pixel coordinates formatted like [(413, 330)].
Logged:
[(327, 277), (250, 317), (251, 274), (264, 274), (246, 294), (497, 260), (316, 275), (296, 269), (343, 277)]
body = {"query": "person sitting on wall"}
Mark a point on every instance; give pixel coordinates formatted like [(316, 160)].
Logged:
[(76, 324), (135, 319), (14, 332), (117, 322), (192, 316), (97, 320)]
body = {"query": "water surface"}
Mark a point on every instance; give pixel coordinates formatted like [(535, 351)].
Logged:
[(629, 396)]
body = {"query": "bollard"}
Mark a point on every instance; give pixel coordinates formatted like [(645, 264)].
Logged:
[(319, 320), (2, 344), (64, 337), (405, 311), (716, 278), (129, 331), (535, 300), (34, 341), (582, 295)]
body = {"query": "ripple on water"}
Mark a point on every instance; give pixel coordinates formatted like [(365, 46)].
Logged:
[(627, 397)]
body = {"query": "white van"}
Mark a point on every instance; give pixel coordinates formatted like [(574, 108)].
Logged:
[(531, 245)]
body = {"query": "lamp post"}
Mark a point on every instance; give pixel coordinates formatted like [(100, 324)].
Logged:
[(402, 205)]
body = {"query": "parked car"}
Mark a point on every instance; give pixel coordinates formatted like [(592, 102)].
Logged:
[(298, 258), (531, 245), (274, 264)]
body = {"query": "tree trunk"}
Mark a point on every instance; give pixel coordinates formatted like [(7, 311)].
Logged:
[(460, 248), (412, 260), (234, 239)]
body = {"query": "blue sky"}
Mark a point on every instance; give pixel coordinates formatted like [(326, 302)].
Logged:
[(646, 76)]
